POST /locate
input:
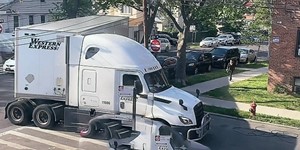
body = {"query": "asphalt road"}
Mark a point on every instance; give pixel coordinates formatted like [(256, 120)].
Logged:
[(225, 134)]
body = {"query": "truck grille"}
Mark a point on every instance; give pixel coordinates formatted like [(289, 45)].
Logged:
[(199, 113)]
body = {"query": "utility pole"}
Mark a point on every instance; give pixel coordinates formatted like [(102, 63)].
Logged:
[(145, 14)]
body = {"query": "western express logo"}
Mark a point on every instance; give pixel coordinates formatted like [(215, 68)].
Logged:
[(36, 43)]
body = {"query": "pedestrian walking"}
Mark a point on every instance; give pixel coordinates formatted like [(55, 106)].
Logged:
[(231, 67), (252, 109)]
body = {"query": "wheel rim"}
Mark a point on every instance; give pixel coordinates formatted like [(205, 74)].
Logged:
[(16, 114), (42, 117), (209, 68)]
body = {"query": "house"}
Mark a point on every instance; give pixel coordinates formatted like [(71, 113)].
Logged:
[(136, 19), (15, 13), (136, 30), (284, 61)]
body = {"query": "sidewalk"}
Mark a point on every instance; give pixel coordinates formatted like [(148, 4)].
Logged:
[(220, 82)]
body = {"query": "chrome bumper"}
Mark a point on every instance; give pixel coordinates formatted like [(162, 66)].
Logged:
[(202, 131)]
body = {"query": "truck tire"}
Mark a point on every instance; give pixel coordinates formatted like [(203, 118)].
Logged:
[(43, 116), (18, 113)]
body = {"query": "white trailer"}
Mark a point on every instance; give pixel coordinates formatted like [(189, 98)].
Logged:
[(85, 79)]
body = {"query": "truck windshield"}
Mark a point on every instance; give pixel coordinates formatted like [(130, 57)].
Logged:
[(157, 81)]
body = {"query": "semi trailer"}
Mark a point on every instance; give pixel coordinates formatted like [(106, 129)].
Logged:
[(108, 85)]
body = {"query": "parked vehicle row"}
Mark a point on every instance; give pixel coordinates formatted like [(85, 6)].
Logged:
[(196, 62), (221, 39), (203, 61)]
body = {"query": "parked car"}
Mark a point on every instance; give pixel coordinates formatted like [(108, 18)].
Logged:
[(209, 42), (165, 45), (168, 64), (225, 39), (237, 38), (222, 55), (173, 41), (247, 55), (197, 61), (9, 65)]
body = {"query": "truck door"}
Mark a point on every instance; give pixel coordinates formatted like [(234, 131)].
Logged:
[(89, 96), (127, 85)]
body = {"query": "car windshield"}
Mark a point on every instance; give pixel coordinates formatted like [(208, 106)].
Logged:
[(218, 51), (157, 81), (222, 36), (208, 39), (192, 55), (243, 51)]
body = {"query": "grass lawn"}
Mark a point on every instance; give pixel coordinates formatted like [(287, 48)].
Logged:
[(259, 117), (255, 89), (205, 77), (258, 64)]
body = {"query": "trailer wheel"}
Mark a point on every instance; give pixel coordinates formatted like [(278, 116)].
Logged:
[(43, 116), (18, 113)]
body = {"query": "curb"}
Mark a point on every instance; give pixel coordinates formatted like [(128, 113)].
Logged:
[(250, 120)]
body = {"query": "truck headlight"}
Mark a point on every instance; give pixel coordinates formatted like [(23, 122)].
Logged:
[(185, 120), (191, 64), (220, 59)]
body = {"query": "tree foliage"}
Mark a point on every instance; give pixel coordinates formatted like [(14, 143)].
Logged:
[(259, 28), (186, 10), (231, 15), (74, 8)]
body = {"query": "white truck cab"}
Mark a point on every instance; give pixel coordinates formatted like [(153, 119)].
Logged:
[(88, 81)]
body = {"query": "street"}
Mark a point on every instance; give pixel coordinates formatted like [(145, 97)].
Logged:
[(225, 134)]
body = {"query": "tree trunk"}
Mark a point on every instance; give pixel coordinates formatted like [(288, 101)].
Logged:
[(181, 54)]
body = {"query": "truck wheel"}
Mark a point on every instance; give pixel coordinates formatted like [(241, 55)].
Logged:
[(43, 116), (18, 113)]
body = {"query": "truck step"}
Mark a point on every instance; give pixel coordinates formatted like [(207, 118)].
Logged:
[(122, 133), (112, 126)]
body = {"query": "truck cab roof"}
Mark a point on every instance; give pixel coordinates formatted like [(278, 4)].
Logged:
[(119, 52)]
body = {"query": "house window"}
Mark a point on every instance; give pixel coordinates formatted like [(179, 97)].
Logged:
[(43, 19), (16, 21), (297, 85), (298, 43), (31, 20), (126, 10)]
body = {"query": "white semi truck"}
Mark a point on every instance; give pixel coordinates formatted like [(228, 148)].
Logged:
[(87, 80)]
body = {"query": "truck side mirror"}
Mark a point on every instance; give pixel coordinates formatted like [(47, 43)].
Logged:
[(138, 86)]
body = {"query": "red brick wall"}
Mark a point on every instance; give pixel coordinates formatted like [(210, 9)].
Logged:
[(283, 65)]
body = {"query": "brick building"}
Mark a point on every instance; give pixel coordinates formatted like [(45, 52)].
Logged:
[(284, 70)]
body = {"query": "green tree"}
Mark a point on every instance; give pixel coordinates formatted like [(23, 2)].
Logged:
[(186, 9), (151, 8), (74, 8), (260, 26), (231, 15)]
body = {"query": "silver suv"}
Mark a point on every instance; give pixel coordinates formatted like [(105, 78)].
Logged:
[(225, 39)]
